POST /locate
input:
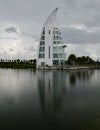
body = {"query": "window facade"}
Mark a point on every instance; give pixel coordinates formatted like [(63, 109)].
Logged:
[(42, 49), (60, 55), (49, 52), (49, 32), (42, 43), (54, 49), (55, 62), (57, 39), (43, 33), (58, 50), (43, 38), (55, 55), (41, 55)]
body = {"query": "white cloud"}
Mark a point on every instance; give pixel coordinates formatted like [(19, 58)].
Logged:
[(84, 50), (13, 44)]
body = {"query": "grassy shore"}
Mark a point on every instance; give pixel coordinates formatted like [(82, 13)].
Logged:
[(17, 65), (33, 66)]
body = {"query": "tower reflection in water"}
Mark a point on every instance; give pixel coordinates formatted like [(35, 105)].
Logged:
[(51, 90), (61, 103), (53, 84)]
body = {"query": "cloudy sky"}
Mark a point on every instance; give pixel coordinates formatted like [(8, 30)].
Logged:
[(21, 22)]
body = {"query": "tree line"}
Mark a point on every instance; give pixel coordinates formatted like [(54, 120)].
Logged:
[(18, 63), (83, 60), (72, 60)]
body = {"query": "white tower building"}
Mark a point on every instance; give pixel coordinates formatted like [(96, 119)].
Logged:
[(51, 47)]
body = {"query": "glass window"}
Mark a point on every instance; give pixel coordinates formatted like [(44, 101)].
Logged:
[(60, 55), (60, 49), (59, 33), (58, 42), (55, 62), (55, 55), (60, 38), (43, 32), (43, 38), (49, 31), (42, 43), (42, 49), (54, 42), (49, 51), (55, 49), (61, 62), (54, 32), (54, 38), (42, 63), (41, 55)]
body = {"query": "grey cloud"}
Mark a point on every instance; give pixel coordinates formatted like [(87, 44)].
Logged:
[(36, 11), (31, 49), (11, 29), (85, 12), (79, 36), (26, 10), (36, 37), (8, 38), (26, 34), (10, 49), (1, 48), (30, 15)]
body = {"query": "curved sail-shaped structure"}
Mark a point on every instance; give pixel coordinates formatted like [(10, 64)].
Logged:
[(51, 47), (52, 17)]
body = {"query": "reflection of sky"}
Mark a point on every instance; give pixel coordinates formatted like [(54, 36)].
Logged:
[(50, 98), (16, 89)]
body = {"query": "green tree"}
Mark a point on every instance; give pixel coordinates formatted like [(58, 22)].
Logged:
[(18, 60), (72, 59)]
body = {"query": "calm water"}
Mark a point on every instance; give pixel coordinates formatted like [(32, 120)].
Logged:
[(50, 99)]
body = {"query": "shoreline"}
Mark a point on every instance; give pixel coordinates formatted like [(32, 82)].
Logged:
[(18, 66), (68, 68), (48, 67)]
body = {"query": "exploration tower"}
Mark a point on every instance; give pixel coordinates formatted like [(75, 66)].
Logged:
[(51, 47)]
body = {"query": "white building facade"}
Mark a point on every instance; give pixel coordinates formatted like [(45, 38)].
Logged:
[(51, 47)]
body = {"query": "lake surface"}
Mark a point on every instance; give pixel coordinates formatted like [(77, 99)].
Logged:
[(50, 99)]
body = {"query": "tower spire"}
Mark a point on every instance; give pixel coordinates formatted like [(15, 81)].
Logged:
[(52, 17)]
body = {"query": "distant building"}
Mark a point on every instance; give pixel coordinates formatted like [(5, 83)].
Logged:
[(51, 47)]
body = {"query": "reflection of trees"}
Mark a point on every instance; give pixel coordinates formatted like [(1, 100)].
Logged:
[(72, 78), (51, 90), (84, 75)]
